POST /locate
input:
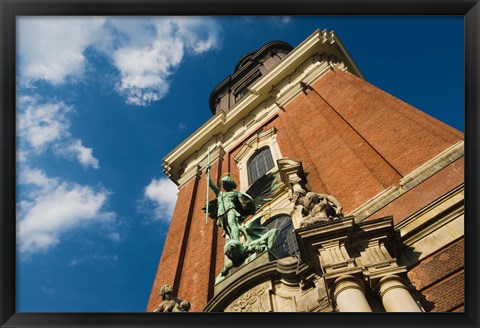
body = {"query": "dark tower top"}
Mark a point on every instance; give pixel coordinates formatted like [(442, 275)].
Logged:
[(248, 69)]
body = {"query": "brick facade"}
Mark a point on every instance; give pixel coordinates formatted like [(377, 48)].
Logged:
[(175, 243), (425, 193), (439, 279), (354, 141), (354, 145)]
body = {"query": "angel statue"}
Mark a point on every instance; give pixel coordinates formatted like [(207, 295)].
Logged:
[(231, 206), (229, 209)]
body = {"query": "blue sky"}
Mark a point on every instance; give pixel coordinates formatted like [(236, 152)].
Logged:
[(100, 102)]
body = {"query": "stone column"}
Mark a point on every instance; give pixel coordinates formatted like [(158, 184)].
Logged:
[(395, 295), (349, 295)]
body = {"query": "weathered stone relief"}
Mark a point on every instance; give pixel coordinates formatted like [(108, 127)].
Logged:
[(310, 207), (301, 298), (315, 208), (256, 299), (281, 295)]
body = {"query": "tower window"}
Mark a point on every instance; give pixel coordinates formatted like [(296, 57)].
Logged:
[(260, 163), (286, 244)]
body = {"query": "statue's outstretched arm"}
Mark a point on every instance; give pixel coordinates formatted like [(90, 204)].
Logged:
[(212, 185)]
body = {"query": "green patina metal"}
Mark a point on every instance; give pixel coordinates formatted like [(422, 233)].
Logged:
[(229, 209)]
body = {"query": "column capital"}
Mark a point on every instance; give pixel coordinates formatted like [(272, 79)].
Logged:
[(396, 296), (349, 294), (347, 282), (390, 282)]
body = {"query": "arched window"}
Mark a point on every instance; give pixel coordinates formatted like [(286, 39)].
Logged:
[(259, 164), (286, 244)]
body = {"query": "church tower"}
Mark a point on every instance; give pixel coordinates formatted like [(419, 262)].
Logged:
[(364, 193)]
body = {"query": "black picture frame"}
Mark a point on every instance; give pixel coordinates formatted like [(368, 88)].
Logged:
[(470, 9)]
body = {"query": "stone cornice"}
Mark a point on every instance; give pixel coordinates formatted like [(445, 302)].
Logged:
[(434, 165), (191, 145), (320, 42), (309, 72), (200, 163), (422, 173), (317, 55), (245, 66), (432, 217)]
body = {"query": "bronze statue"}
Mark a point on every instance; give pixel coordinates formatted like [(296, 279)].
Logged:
[(229, 205), (229, 209)]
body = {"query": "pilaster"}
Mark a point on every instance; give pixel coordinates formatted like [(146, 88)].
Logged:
[(356, 259)]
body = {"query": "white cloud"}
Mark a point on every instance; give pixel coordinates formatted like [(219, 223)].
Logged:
[(280, 20), (75, 262), (199, 34), (75, 149), (154, 50), (54, 208), (145, 71), (146, 51), (115, 236), (107, 258), (43, 124), (37, 178), (22, 155), (84, 155), (47, 125), (163, 193), (182, 127), (52, 48)]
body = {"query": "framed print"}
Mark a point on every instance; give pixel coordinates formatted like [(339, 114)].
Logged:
[(302, 163)]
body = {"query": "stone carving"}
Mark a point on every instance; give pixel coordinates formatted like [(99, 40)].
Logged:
[(312, 299), (296, 190), (319, 208), (171, 303), (229, 209), (254, 300), (312, 207)]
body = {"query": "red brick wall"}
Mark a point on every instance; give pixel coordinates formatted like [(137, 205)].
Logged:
[(353, 140), (439, 279), (196, 276), (403, 135), (344, 130), (189, 258), (425, 193), (447, 295), (171, 260)]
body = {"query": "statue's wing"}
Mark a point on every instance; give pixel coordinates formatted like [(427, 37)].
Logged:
[(212, 209), (254, 229), (245, 205), (263, 189)]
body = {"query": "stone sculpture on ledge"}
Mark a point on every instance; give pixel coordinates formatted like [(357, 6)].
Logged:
[(312, 208), (171, 303)]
